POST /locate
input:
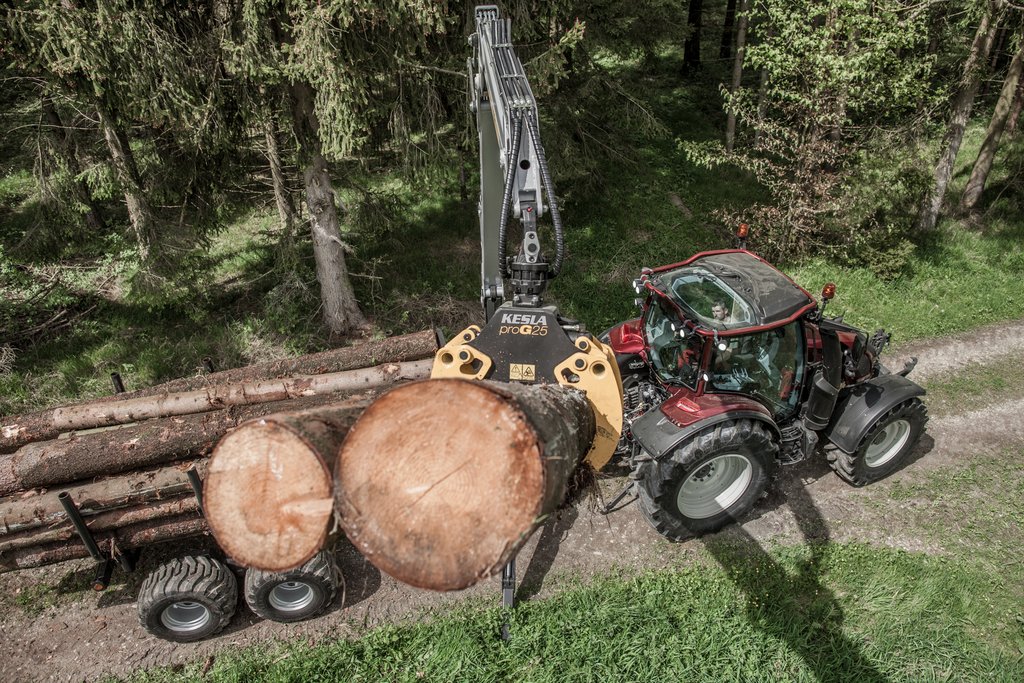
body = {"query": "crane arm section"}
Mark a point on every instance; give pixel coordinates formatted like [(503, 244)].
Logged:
[(514, 178)]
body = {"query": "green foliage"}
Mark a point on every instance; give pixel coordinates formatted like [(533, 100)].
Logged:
[(832, 73)]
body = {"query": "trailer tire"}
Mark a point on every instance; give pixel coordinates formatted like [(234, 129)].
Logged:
[(709, 481), (297, 594), (885, 448), (187, 599)]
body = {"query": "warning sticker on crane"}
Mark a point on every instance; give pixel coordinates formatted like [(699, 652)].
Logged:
[(522, 372)]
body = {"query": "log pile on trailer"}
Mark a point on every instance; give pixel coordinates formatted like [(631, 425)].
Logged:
[(438, 483), (127, 466)]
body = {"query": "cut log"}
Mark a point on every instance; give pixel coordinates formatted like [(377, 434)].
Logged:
[(406, 347), (130, 537), (124, 448), (268, 492), (106, 521), (441, 482), (19, 512), (23, 429)]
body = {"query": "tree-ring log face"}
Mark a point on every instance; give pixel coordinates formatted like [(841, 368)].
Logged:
[(263, 507), (435, 478)]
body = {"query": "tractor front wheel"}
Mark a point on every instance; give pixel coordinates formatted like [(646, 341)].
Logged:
[(885, 448), (708, 481)]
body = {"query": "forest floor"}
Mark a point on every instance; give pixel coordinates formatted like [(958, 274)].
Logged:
[(54, 628)]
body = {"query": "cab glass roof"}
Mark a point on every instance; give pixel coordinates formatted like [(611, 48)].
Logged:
[(751, 292)]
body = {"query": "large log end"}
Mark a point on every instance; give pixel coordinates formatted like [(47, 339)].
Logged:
[(267, 496), (439, 482)]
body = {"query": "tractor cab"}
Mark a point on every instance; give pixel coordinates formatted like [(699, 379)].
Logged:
[(732, 369), (726, 323)]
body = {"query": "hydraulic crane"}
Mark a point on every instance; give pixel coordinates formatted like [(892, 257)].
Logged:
[(523, 339)]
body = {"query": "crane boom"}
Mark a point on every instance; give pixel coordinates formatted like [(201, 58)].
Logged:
[(514, 178)]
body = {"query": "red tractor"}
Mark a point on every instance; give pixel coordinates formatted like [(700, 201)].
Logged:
[(732, 369)]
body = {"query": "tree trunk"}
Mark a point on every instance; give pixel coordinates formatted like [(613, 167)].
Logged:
[(762, 95), (268, 493), (1018, 103), (46, 424), (973, 68), (340, 308), (737, 74), (725, 50), (139, 212), (283, 199), (987, 153), (134, 536), (122, 449), (66, 150), (441, 482), (400, 349), (106, 521), (19, 512), (691, 48)]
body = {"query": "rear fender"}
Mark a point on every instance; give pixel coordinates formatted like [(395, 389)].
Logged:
[(860, 406), (659, 436)]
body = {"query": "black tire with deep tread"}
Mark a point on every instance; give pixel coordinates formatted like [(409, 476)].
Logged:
[(321, 574), (853, 469), (660, 481), (188, 579)]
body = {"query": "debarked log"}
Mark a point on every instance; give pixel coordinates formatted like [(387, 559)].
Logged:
[(440, 482), (113, 450), (268, 493), (19, 430), (110, 542), (406, 347), (26, 511), (105, 521)]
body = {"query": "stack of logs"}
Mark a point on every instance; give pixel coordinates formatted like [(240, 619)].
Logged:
[(124, 462), (438, 483)]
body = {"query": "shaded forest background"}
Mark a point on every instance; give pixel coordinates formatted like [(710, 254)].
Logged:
[(240, 180)]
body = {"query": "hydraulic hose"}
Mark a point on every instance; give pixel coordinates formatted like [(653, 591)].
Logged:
[(506, 199), (549, 187)]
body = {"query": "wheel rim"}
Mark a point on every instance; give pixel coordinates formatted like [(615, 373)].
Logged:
[(887, 443), (185, 616), (291, 596), (715, 486)]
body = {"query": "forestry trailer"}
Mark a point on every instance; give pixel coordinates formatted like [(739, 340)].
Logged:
[(730, 369)]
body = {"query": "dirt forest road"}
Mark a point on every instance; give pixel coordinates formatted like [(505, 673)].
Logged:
[(55, 629)]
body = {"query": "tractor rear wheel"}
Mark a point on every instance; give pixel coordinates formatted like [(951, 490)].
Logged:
[(885, 448), (297, 594), (708, 481), (187, 599)]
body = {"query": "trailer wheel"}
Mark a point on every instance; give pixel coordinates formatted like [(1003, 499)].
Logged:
[(187, 599), (708, 481), (885, 448), (296, 594)]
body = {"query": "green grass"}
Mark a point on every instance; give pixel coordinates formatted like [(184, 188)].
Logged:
[(833, 612), (975, 509)]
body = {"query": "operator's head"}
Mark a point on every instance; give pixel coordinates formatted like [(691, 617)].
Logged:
[(719, 311)]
